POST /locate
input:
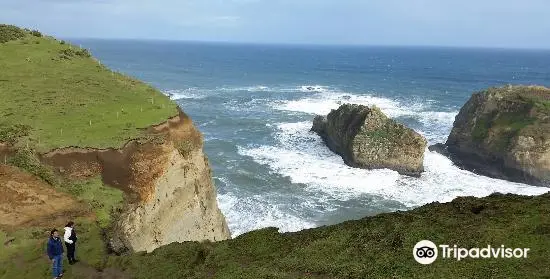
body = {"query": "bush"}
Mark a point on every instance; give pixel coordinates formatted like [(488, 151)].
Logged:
[(36, 33), (11, 134), (10, 33), (69, 53), (27, 160)]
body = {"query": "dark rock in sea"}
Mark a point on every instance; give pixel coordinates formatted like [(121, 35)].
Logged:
[(366, 138), (439, 148), (504, 133)]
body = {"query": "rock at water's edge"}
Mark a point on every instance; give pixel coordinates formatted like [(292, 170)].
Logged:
[(504, 133), (366, 138)]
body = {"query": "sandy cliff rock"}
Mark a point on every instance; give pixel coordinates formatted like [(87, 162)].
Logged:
[(167, 180), (504, 133), (366, 138)]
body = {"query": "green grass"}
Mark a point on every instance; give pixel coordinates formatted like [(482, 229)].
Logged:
[(70, 99), (27, 252), (25, 159), (374, 247), (513, 121), (509, 125), (481, 129), (520, 107), (381, 135), (104, 200), (26, 256)]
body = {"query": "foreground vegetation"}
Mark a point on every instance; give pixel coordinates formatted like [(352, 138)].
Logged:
[(374, 247), (23, 251), (56, 95)]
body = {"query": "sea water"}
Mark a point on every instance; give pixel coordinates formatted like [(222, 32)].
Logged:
[(255, 105)]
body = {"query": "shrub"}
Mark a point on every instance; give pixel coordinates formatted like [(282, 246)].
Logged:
[(27, 160), (83, 53), (36, 33), (69, 53), (10, 33), (11, 134)]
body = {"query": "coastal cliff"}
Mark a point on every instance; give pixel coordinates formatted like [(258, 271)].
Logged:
[(81, 142), (167, 181), (504, 133)]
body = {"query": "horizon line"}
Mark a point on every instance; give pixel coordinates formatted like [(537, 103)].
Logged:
[(308, 44)]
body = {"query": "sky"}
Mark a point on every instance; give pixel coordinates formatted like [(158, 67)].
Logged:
[(471, 23)]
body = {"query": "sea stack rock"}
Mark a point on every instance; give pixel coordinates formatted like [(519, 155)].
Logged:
[(366, 138), (504, 133)]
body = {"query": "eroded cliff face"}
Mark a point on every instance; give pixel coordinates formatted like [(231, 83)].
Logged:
[(167, 180), (504, 133), (181, 207)]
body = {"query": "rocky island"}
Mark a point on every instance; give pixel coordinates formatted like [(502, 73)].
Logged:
[(366, 138), (504, 133)]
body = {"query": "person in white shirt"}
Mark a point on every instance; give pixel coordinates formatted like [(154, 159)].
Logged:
[(70, 241)]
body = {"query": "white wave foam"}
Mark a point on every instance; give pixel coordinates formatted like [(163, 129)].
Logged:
[(277, 89), (436, 124), (444, 118), (255, 212), (323, 103), (313, 88), (301, 156), (199, 93), (189, 93), (254, 88)]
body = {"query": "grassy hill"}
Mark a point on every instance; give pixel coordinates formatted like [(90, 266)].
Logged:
[(56, 95)]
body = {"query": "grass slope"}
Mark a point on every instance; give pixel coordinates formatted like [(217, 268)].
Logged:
[(55, 95), (25, 257), (374, 247)]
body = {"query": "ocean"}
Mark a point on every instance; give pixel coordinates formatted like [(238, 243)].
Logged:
[(255, 105)]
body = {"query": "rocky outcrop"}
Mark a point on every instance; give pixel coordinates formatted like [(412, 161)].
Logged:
[(504, 133), (366, 138), (168, 184)]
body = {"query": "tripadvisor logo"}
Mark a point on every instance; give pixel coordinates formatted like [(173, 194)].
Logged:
[(426, 252)]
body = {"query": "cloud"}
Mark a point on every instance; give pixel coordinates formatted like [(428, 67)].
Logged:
[(402, 22)]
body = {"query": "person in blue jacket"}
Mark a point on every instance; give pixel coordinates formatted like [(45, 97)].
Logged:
[(55, 253)]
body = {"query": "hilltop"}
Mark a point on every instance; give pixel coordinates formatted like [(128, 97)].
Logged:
[(57, 95)]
